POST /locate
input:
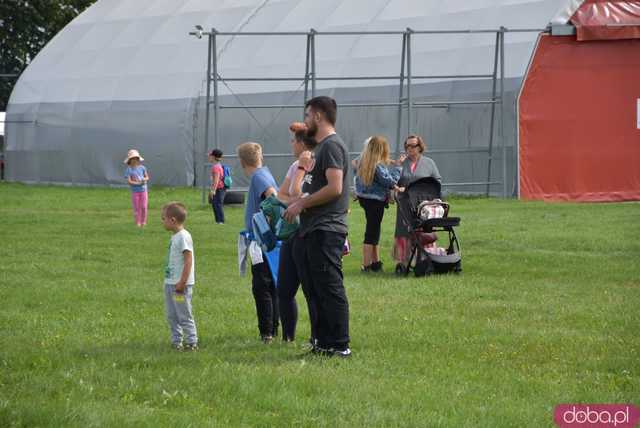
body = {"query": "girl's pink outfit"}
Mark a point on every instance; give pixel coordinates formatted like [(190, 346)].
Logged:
[(139, 196), (139, 201)]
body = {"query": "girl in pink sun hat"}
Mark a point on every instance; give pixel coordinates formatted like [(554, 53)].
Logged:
[(137, 177)]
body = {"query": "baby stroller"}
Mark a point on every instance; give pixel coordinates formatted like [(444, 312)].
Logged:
[(423, 214)]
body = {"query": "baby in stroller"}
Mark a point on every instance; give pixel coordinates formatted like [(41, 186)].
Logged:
[(423, 213)]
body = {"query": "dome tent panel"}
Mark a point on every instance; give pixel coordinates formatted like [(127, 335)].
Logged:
[(135, 77)]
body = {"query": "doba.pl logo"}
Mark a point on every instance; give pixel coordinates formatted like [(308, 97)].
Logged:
[(597, 415)]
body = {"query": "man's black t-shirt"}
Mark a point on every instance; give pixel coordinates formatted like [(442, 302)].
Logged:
[(332, 216)]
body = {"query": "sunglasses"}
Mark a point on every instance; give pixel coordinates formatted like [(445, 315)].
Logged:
[(412, 146)]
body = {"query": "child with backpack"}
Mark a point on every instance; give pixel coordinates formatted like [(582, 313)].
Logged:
[(220, 182), (262, 185)]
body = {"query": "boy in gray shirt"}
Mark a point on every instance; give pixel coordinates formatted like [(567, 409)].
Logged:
[(179, 279)]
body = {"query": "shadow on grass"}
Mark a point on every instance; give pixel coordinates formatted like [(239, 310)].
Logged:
[(217, 349)]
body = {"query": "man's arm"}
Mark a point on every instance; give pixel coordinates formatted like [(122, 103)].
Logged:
[(186, 270), (331, 191)]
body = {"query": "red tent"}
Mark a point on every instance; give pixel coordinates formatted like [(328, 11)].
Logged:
[(579, 109)]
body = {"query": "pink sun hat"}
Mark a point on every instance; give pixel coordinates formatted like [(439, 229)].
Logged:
[(133, 153)]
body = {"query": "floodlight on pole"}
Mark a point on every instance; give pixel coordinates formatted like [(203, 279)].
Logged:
[(199, 31)]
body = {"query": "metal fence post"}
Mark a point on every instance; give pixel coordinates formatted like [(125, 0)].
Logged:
[(409, 99), (206, 122), (401, 92), (313, 62), (306, 69), (216, 103), (493, 111), (502, 113)]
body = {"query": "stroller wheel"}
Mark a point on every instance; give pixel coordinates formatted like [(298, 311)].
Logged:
[(457, 269), (400, 269)]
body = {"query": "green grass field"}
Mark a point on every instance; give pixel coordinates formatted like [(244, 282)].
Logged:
[(546, 312)]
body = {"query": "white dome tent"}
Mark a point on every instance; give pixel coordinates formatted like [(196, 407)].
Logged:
[(127, 74)]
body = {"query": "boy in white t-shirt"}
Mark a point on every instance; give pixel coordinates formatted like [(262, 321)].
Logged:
[(179, 279)]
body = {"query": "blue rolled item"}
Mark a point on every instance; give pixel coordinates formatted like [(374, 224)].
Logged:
[(272, 257), (262, 233)]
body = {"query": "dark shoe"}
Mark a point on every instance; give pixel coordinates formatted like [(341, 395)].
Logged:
[(376, 266), (192, 347), (365, 269), (345, 353), (332, 352), (177, 347), (400, 269)]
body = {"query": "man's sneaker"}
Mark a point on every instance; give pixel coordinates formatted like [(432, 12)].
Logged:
[(332, 352), (177, 347), (266, 339), (344, 353), (191, 347)]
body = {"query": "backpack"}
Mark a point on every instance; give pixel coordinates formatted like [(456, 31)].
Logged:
[(226, 176), (273, 210)]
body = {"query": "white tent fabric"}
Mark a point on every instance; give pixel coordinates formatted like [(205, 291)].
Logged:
[(566, 12), (127, 74), (124, 50)]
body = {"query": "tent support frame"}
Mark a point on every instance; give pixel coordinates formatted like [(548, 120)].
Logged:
[(310, 77)]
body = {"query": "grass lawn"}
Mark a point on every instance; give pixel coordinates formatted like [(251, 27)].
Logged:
[(546, 312)]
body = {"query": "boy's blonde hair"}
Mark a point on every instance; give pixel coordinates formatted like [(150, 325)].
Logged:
[(250, 153), (376, 151), (175, 210)]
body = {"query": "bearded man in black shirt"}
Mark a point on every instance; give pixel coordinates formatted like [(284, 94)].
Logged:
[(323, 227)]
